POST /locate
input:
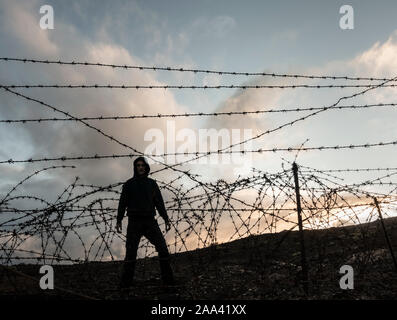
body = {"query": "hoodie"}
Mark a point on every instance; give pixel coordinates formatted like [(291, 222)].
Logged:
[(141, 195)]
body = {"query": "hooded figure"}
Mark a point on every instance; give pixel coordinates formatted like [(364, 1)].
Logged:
[(141, 197), (147, 167)]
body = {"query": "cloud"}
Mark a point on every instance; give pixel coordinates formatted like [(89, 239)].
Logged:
[(71, 138), (379, 60), (23, 26), (54, 139), (326, 128)]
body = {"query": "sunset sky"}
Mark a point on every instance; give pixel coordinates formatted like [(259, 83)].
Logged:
[(244, 36)]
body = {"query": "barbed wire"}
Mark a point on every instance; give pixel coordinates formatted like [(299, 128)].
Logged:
[(105, 214), (195, 212), (353, 170), (243, 87), (200, 209), (176, 69), (198, 157), (199, 114), (162, 155), (101, 132)]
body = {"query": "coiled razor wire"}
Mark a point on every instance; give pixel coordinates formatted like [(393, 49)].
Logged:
[(199, 211)]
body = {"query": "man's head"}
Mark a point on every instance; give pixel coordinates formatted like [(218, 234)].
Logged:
[(141, 167)]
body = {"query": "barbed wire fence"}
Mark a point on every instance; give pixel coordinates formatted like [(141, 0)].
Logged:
[(305, 203)]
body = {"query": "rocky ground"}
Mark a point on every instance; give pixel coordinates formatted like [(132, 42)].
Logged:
[(258, 267)]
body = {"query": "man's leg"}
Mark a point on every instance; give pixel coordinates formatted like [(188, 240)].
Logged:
[(154, 235), (134, 234)]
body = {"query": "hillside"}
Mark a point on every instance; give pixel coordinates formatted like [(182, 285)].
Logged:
[(257, 267)]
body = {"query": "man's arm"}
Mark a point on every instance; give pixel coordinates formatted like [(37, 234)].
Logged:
[(122, 204), (159, 203)]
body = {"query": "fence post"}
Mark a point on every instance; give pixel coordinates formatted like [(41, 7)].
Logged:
[(305, 277), (385, 233)]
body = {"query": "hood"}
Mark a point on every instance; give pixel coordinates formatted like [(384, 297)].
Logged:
[(146, 163)]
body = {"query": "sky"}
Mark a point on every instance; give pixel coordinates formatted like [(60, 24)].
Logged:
[(244, 36)]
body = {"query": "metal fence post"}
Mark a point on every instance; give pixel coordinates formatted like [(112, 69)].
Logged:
[(385, 232), (305, 277)]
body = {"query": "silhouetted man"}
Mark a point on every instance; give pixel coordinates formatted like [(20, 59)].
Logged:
[(141, 195)]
